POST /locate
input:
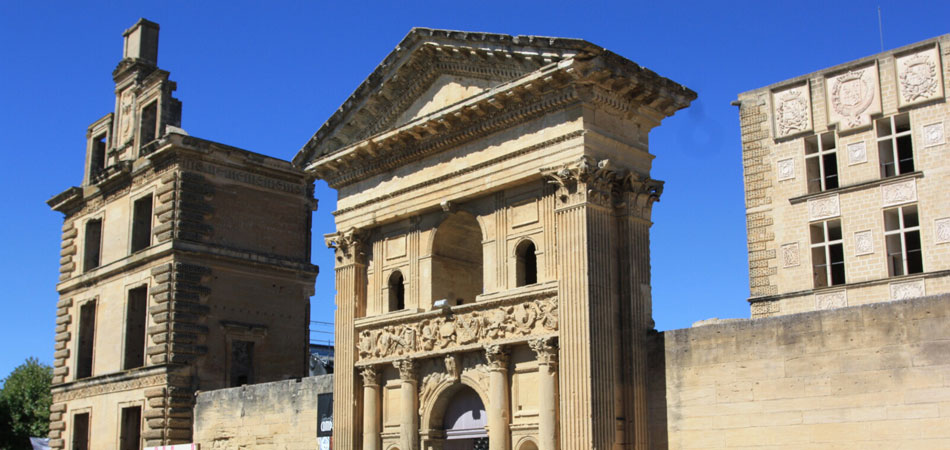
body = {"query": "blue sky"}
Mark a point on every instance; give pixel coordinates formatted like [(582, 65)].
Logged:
[(265, 75)]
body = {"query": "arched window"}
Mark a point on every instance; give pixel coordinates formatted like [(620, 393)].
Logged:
[(528, 445), (397, 292), (457, 260), (527, 268)]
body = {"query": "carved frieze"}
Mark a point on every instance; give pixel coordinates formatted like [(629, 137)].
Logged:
[(857, 153), (919, 78), (791, 108), (933, 135), (790, 255), (786, 169), (898, 193), (853, 97), (863, 243), (942, 230), (823, 207), (907, 289), (471, 327), (831, 300)]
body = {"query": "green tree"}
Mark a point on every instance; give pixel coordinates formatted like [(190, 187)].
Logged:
[(24, 404)]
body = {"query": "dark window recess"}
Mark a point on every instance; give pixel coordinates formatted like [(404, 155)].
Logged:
[(80, 432), (821, 162), (142, 224), (91, 244), (397, 292), (242, 363), (97, 161), (130, 437), (149, 123), (902, 239), (895, 145), (827, 253), (527, 269), (87, 335), (135, 319)]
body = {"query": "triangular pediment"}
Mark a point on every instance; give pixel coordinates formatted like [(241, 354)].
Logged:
[(429, 71)]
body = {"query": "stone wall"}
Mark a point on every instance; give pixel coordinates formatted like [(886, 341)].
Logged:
[(870, 376), (281, 414)]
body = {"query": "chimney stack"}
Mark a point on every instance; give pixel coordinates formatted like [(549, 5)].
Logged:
[(141, 42)]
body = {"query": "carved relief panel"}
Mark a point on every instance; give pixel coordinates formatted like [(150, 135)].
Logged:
[(823, 207), (898, 193), (907, 289), (919, 77), (791, 110), (853, 97)]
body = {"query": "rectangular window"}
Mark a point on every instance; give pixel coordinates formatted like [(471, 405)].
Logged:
[(91, 245), (242, 363), (895, 145), (142, 223), (821, 162), (902, 238), (135, 320), (80, 432), (827, 253), (130, 434), (149, 123), (97, 160), (87, 336)]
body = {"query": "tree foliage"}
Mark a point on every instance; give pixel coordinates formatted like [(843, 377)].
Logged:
[(24, 404)]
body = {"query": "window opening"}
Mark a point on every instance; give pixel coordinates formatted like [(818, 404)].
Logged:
[(902, 238), (827, 253), (457, 260), (242, 363), (821, 162), (895, 145), (397, 292), (149, 123), (142, 223), (130, 437), (97, 160), (80, 432), (87, 335), (135, 320), (91, 245), (527, 265)]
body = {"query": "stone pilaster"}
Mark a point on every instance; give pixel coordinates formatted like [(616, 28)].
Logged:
[(371, 408), (350, 301), (546, 351), (409, 402), (499, 436)]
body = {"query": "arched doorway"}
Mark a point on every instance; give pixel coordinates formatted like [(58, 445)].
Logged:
[(457, 260), (464, 422)]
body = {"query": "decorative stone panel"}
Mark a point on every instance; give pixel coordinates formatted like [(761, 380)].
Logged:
[(790, 255), (831, 300), (791, 110), (853, 97), (823, 207), (857, 153), (933, 135), (899, 193), (919, 77), (942, 230), (863, 243), (907, 289), (786, 169)]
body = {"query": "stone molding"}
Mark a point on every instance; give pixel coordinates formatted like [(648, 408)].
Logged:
[(893, 194), (823, 207)]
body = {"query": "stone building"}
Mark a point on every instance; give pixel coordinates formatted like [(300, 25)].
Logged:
[(492, 253), (185, 266), (846, 175)]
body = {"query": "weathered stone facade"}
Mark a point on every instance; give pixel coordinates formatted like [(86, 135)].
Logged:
[(861, 148), (185, 266)]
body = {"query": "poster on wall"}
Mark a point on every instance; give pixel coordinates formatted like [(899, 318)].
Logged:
[(325, 421)]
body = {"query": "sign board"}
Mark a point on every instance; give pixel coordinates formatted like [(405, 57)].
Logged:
[(324, 416)]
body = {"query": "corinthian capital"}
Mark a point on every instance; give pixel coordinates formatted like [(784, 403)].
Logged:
[(546, 351), (497, 356), (370, 376), (406, 368), (348, 244), (587, 180)]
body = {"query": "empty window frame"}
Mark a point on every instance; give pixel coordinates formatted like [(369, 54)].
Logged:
[(242, 363), (895, 145), (397, 291), (136, 317), (92, 243), (827, 253), (142, 223), (86, 339), (821, 162), (902, 240), (97, 157), (80, 434), (149, 125), (526, 272), (130, 432)]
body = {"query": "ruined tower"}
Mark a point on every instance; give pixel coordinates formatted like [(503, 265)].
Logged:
[(185, 266)]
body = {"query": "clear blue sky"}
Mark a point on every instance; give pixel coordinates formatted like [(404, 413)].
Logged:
[(265, 75)]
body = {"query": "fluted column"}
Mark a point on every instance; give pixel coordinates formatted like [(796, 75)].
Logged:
[(546, 351), (498, 415), (409, 402), (371, 409)]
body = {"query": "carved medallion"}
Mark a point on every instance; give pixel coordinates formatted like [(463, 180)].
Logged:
[(786, 169), (126, 116), (933, 134), (790, 255), (898, 193), (853, 98), (863, 243), (823, 207), (857, 153), (907, 289), (792, 111), (942, 230), (831, 300), (918, 76)]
